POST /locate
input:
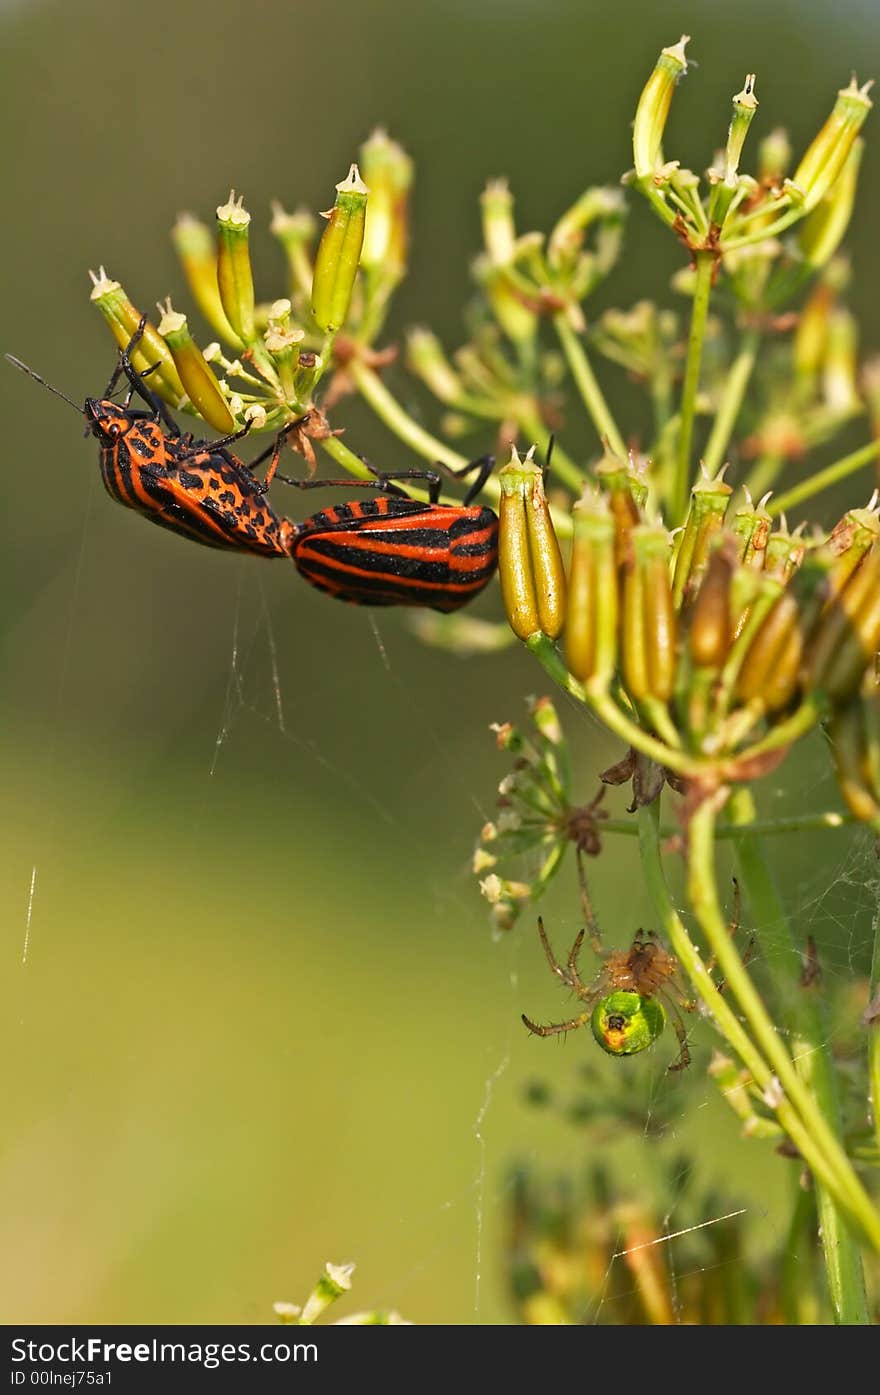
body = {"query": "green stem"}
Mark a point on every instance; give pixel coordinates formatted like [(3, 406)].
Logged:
[(874, 1029), (824, 479), (838, 1172), (681, 484), (809, 1041), (734, 391), (588, 387), (796, 823), (719, 1008)]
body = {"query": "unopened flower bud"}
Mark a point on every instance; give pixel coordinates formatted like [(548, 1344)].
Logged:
[(653, 108), (774, 156), (499, 231), (198, 256), (333, 1283), (840, 366), (529, 560), (200, 383), (823, 162), (338, 254), (234, 276), (567, 237)]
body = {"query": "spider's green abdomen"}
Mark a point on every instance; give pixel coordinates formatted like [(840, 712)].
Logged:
[(625, 1023)]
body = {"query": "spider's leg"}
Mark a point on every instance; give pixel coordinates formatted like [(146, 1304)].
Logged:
[(553, 1028), (683, 1059), (551, 957), (592, 925), (574, 977), (733, 928)]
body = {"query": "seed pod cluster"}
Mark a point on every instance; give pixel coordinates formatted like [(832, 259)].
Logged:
[(708, 633)]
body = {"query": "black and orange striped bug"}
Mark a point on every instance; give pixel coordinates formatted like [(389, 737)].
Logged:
[(396, 550), (196, 488)]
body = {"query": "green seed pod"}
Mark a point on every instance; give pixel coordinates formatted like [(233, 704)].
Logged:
[(783, 554), (338, 254), (235, 279), (625, 1023), (709, 501), (201, 386), (648, 627), (822, 232), (195, 248), (591, 604), (653, 108), (425, 357), (123, 319)]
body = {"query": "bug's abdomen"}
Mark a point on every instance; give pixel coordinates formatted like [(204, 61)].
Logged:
[(206, 499), (392, 551)]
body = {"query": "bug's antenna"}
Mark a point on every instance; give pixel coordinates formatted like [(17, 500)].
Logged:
[(550, 444), (17, 363)]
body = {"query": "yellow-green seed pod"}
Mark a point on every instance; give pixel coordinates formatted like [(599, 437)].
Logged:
[(823, 230), (124, 319), (529, 560), (196, 250), (235, 279), (653, 108), (840, 367), (849, 743), (771, 670), (425, 358), (774, 157), (339, 250), (625, 1023), (745, 104), (591, 601), (826, 157), (388, 173), (499, 230), (783, 554), (625, 493), (647, 617), (848, 636), (710, 628), (708, 505), (751, 527), (201, 385), (296, 232), (605, 206)]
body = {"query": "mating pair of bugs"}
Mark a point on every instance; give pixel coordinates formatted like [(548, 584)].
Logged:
[(390, 550)]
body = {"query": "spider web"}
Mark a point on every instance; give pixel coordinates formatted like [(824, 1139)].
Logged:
[(437, 1249)]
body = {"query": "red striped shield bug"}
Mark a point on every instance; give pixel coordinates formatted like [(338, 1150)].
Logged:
[(196, 488), (396, 550)]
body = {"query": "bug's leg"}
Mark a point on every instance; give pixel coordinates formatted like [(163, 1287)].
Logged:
[(125, 358), (385, 478), (592, 924), (553, 1028), (483, 468), (273, 453), (217, 445)]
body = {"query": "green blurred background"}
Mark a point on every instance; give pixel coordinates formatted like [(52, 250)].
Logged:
[(261, 1023)]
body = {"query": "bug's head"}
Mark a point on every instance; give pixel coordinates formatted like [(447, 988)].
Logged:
[(106, 420)]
